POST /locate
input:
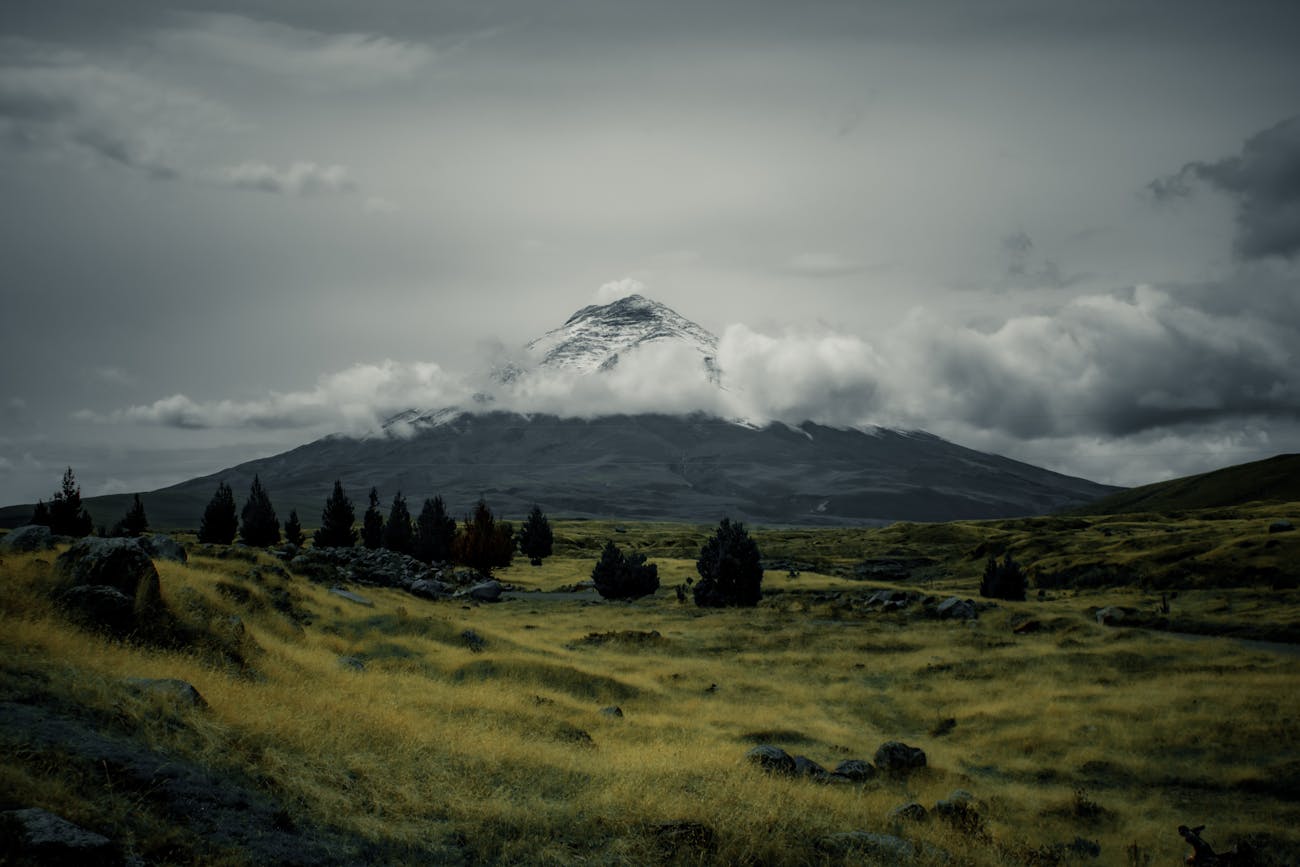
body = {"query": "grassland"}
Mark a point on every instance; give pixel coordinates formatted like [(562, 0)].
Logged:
[(438, 752)]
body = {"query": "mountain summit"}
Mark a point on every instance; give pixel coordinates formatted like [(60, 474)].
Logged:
[(597, 336)]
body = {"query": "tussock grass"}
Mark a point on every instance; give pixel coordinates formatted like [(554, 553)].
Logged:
[(505, 753)]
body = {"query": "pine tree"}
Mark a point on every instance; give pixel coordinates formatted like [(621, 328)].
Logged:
[(372, 525), (293, 529), (535, 538), (619, 577), (220, 522), (434, 532), (67, 515), (1003, 580), (484, 544), (336, 521), (258, 525), (731, 570), (41, 514), (135, 522), (398, 535)]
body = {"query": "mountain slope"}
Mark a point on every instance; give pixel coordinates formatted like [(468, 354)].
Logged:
[(644, 467), (1276, 478)]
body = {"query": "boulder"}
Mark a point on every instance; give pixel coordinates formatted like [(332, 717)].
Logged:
[(958, 810), (160, 547), (897, 759), (429, 588), (909, 812), (170, 689), (487, 591), (1112, 615), (614, 711), (885, 848), (44, 838), (772, 759), (956, 608), (806, 767), (98, 605), (855, 770), (118, 563), (351, 597), (32, 537), (1281, 527)]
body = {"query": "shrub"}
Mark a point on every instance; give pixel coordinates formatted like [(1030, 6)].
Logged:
[(730, 567), (619, 577), (220, 523), (336, 521), (535, 538), (1003, 580)]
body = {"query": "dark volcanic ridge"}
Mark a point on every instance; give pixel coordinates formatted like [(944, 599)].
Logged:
[(640, 467)]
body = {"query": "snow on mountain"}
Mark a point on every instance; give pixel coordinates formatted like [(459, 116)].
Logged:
[(594, 338)]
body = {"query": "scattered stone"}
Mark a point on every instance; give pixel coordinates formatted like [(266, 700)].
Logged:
[(351, 663), (806, 767), (170, 688), (378, 567), (1112, 615), (429, 588), (351, 597), (473, 641), (614, 711), (32, 537), (1281, 527), (855, 770), (897, 759), (772, 759), (161, 547), (909, 812), (955, 608), (884, 847), (49, 839), (487, 591), (958, 810)]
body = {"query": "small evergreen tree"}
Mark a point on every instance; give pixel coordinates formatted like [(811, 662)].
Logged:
[(293, 529), (336, 520), (730, 567), (258, 526), (434, 532), (220, 522), (41, 514), (398, 535), (535, 538), (1003, 580), (372, 524), (68, 517), (484, 544), (135, 522), (619, 577)]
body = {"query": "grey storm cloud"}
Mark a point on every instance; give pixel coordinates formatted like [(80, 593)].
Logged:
[(298, 179), (1264, 179)]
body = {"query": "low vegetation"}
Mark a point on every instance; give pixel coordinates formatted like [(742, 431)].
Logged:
[(398, 730)]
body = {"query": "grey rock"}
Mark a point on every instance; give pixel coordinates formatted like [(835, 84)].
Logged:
[(959, 811), (50, 839), (32, 537), (806, 767), (99, 605), (1281, 527), (897, 759), (429, 588), (473, 641), (855, 770), (351, 597), (118, 563), (1111, 615), (772, 759), (909, 812), (488, 591), (171, 689), (614, 711), (955, 608), (161, 547), (883, 847), (351, 663), (378, 567)]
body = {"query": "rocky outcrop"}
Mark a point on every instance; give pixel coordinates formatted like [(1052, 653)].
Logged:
[(897, 759), (32, 537), (109, 583), (44, 838), (160, 547), (772, 759)]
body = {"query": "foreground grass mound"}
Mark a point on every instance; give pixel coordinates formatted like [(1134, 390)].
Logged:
[(557, 728)]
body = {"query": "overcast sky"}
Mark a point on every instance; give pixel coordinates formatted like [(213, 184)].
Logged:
[(1065, 232)]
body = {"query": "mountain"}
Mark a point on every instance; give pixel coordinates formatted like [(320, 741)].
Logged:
[(1276, 478), (594, 338), (635, 467)]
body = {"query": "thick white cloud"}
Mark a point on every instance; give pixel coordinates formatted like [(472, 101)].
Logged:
[(612, 291), (303, 57)]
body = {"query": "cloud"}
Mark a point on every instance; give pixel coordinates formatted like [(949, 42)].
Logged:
[(379, 205), (61, 103), (306, 58), (822, 264), (115, 376), (616, 289), (1264, 179), (298, 179)]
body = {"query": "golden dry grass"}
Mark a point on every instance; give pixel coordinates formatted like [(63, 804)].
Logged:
[(507, 751)]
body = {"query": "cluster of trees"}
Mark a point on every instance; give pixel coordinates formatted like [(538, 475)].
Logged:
[(729, 565), (65, 514), (1005, 580), (256, 524)]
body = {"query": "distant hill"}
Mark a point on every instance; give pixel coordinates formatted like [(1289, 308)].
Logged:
[(1276, 478)]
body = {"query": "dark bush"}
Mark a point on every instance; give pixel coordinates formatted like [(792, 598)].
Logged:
[(1003, 580), (619, 577), (731, 569), (484, 543)]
